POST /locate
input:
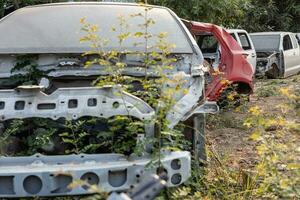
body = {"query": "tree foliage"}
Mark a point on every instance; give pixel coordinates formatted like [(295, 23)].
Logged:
[(223, 12), (252, 15)]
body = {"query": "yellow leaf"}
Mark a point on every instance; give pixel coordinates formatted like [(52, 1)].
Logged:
[(284, 184), (255, 110), (293, 166), (82, 20), (138, 34), (255, 136)]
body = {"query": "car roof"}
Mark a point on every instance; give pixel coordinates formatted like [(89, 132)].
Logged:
[(235, 30), (55, 28), (93, 3), (271, 33)]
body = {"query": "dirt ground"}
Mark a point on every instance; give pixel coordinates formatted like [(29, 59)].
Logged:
[(226, 134)]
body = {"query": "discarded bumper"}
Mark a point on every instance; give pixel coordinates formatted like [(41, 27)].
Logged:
[(51, 175)]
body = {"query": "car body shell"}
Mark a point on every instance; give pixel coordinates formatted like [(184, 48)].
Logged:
[(282, 61), (244, 40), (233, 65), (49, 31)]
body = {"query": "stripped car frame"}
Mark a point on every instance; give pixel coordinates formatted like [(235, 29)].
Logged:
[(66, 93), (278, 54), (229, 68)]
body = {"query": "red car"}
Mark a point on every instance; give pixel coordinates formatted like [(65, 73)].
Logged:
[(227, 60)]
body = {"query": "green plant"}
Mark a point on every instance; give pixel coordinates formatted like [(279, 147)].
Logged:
[(267, 91), (26, 71), (277, 145), (158, 92)]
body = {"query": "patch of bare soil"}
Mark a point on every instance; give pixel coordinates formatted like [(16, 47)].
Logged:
[(226, 135)]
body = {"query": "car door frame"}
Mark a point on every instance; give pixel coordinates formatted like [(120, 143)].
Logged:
[(288, 56), (296, 58), (252, 57)]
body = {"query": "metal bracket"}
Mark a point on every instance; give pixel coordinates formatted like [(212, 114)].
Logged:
[(52, 175), (210, 107)]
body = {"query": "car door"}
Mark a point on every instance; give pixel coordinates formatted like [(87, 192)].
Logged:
[(296, 58), (289, 55), (247, 45)]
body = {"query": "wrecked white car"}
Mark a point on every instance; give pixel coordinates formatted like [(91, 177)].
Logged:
[(278, 54), (63, 91)]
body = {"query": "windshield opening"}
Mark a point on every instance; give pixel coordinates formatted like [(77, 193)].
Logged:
[(266, 42)]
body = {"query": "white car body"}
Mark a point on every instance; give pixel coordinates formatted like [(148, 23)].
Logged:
[(244, 40), (285, 45)]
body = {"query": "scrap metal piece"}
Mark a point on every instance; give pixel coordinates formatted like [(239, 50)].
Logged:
[(210, 107), (72, 103), (52, 175), (186, 103)]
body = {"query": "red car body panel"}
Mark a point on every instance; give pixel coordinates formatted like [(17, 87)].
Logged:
[(233, 67)]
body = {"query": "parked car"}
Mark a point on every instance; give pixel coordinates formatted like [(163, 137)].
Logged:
[(230, 67), (51, 34), (244, 40), (278, 54)]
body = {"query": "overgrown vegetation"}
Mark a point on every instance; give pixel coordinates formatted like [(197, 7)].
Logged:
[(275, 176), (160, 91)]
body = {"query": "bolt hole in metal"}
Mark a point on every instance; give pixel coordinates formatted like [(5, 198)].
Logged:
[(2, 105), (46, 106), (62, 182), (32, 184), (19, 105), (7, 185), (73, 103), (176, 164), (90, 179), (92, 102), (117, 178), (176, 179), (116, 105)]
